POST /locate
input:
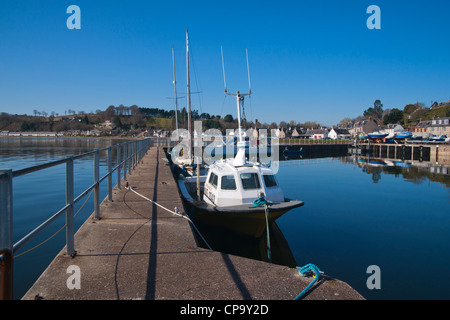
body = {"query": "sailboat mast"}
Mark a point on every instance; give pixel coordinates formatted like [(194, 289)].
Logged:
[(175, 92), (188, 96)]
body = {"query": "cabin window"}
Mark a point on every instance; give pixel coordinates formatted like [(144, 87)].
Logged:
[(250, 181), (228, 183), (213, 180), (269, 180)]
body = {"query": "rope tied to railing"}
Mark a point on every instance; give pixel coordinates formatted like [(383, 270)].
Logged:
[(173, 212)]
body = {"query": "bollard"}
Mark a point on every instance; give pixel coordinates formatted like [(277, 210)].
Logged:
[(6, 235), (6, 274)]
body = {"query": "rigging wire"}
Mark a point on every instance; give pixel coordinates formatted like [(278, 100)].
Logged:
[(197, 87)]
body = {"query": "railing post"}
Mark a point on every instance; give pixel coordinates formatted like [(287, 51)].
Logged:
[(133, 156), (97, 185), (133, 150), (136, 152), (125, 161), (118, 166), (130, 153), (6, 235), (70, 248), (109, 173)]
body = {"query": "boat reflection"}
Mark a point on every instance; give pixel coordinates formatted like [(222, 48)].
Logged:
[(234, 240), (413, 171)]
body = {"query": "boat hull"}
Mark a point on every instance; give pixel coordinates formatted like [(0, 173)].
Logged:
[(245, 218)]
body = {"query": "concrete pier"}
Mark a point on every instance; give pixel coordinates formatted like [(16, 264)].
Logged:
[(140, 251)]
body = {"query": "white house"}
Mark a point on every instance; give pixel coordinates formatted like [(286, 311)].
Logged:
[(393, 128), (317, 133), (336, 133)]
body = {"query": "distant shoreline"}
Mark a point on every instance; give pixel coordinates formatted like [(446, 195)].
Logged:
[(87, 137)]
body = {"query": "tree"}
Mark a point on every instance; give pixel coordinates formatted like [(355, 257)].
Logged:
[(411, 108), (205, 116), (344, 122), (395, 116), (24, 126), (228, 118), (376, 112), (110, 112), (117, 122)]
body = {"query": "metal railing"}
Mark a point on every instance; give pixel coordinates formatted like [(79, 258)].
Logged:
[(128, 155)]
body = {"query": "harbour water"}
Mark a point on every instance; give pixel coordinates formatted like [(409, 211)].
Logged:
[(38, 195), (356, 215)]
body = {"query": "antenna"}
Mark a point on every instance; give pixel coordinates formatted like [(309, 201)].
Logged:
[(239, 100), (223, 69), (248, 73)]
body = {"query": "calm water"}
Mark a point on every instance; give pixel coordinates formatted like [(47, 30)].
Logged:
[(354, 216), (38, 195)]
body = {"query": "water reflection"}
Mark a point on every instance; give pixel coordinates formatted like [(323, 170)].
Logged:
[(415, 172), (230, 240), (18, 152)]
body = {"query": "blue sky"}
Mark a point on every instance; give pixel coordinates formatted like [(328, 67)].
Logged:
[(309, 60)]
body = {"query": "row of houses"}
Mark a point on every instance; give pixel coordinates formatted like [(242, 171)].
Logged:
[(68, 133), (438, 126), (425, 128), (300, 133)]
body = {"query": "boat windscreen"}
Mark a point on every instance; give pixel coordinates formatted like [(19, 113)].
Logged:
[(250, 181), (228, 183), (269, 180)]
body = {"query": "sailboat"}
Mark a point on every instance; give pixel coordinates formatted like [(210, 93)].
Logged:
[(243, 195), (183, 156)]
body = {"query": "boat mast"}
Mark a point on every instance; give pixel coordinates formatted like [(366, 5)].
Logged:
[(188, 97), (240, 156), (239, 96), (175, 92)]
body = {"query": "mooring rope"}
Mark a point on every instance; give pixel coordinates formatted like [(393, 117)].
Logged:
[(261, 201), (305, 270), (173, 212)]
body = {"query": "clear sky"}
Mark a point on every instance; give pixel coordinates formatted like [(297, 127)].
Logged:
[(309, 60)]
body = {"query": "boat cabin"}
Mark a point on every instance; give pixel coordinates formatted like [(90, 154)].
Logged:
[(230, 185)]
